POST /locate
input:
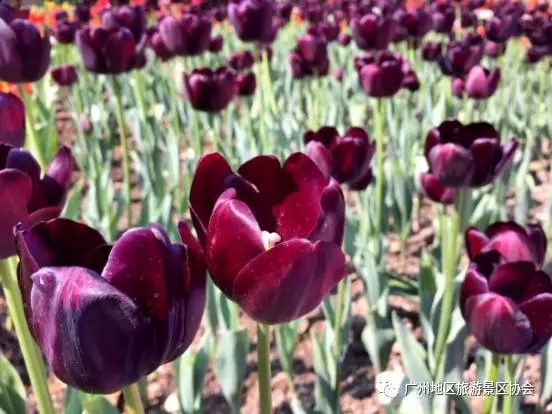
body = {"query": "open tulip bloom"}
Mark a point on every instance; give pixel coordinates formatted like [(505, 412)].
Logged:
[(12, 120), (271, 235), (506, 298), (104, 316)]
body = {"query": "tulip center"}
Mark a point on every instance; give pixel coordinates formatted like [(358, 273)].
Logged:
[(270, 239)]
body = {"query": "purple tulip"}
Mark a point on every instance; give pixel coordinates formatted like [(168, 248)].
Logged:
[(431, 51), (252, 19), (459, 58), (372, 31), (26, 197), (216, 43), (417, 22), (246, 84), (499, 29), (64, 75), (64, 31), (463, 156), (344, 39), (482, 83), (12, 120), (25, 52), (457, 87), (146, 292), (290, 223), (346, 158), (210, 91), (241, 60), (310, 57), (107, 51), (9, 13), (156, 43), (82, 13), (330, 31), (468, 19), (505, 298), (188, 36), (283, 10), (495, 50), (381, 75), (443, 17), (131, 17)]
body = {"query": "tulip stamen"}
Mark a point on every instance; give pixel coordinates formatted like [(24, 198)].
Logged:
[(270, 239)]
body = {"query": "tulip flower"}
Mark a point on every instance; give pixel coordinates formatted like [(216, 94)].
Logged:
[(431, 51), (283, 10), (188, 36), (25, 52), (482, 83), (131, 17), (241, 60), (346, 158), (457, 87), (252, 19), (210, 91), (12, 120), (219, 14), (82, 13), (246, 84), (468, 19), (9, 13), (289, 220), (372, 31), (25, 196), (64, 75), (107, 51), (330, 31), (443, 15), (505, 298), (64, 31), (463, 156), (145, 292), (156, 43), (498, 29), (459, 58), (417, 22), (344, 39), (216, 43), (310, 57), (495, 50), (381, 75)]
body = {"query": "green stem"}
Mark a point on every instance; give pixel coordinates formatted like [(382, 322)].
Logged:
[(268, 82), (32, 138), (450, 260), (378, 132), (262, 112), (133, 402), (508, 403), (340, 302), (263, 368), (116, 87), (31, 353), (491, 376)]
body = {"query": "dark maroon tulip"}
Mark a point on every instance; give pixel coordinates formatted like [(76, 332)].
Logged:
[(25, 52), (535, 54), (216, 43), (505, 298), (289, 220), (129, 307), (64, 31), (25, 197), (82, 13), (466, 155), (410, 81), (346, 158), (9, 13), (283, 10), (330, 31), (431, 51), (252, 19), (372, 31), (188, 36), (158, 46), (482, 83), (131, 17), (468, 18), (436, 192), (310, 57), (457, 87), (246, 84), (344, 39), (459, 58), (241, 60), (12, 120), (499, 29), (64, 75), (383, 77), (513, 242), (210, 91), (443, 17), (219, 14), (417, 22), (495, 50), (106, 51)]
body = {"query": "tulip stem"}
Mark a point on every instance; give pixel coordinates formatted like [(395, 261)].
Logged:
[(116, 88), (262, 111), (340, 301), (31, 353), (133, 401), (268, 82), (508, 403), (32, 139), (491, 376), (378, 132), (263, 368)]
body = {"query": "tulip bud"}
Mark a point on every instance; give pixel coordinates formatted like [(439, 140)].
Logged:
[(215, 44), (482, 83), (133, 18), (188, 36), (383, 77), (64, 75), (431, 51), (64, 31), (373, 32), (246, 84), (12, 120), (25, 52), (457, 87), (252, 19), (241, 60), (210, 91), (344, 39)]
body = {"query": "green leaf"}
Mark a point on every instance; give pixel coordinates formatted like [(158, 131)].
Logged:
[(12, 390), (97, 404), (73, 401), (322, 360), (286, 339)]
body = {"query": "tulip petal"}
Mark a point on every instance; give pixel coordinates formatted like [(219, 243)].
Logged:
[(331, 223), (57, 180), (508, 152), (498, 323), (119, 50), (475, 242), (519, 281), (451, 164), (537, 236), (433, 138), (289, 280), (511, 241), (11, 64), (233, 240), (12, 119), (321, 157), (93, 336), (474, 284), (15, 193), (539, 312), (435, 191), (207, 186), (486, 154)]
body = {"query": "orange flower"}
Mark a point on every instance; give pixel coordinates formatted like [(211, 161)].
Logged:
[(6, 87)]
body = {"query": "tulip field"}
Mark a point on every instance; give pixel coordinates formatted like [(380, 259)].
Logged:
[(256, 206)]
